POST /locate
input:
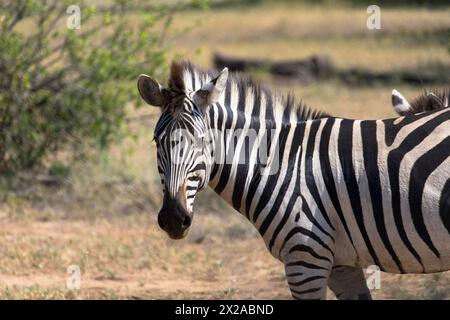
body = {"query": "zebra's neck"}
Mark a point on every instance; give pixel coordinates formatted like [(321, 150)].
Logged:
[(251, 133), (255, 139), (246, 125)]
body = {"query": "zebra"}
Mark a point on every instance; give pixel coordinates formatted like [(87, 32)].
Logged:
[(345, 194), (431, 100)]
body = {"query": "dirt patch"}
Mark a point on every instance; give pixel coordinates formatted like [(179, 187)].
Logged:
[(130, 258)]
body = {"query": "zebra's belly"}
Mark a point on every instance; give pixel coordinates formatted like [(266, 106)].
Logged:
[(386, 264), (408, 252), (439, 265), (396, 244)]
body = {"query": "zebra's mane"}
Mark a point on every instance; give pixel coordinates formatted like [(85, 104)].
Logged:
[(420, 103), (183, 75)]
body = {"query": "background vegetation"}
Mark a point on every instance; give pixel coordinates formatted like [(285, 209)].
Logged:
[(90, 197), (62, 88)]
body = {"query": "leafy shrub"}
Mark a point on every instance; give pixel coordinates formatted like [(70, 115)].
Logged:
[(62, 88)]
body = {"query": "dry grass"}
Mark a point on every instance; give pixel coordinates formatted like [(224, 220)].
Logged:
[(129, 258), (407, 36), (104, 217)]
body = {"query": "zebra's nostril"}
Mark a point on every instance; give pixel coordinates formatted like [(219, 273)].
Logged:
[(187, 221)]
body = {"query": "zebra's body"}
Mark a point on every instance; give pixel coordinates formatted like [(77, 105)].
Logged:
[(346, 194)]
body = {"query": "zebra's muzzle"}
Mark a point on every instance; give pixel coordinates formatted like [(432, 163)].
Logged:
[(173, 218)]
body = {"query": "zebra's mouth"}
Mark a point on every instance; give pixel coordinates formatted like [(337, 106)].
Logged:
[(178, 236), (176, 231), (173, 218)]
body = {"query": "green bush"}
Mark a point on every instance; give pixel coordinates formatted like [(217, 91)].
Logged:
[(62, 89)]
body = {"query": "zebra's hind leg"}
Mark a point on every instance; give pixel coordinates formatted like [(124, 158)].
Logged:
[(307, 281), (349, 283)]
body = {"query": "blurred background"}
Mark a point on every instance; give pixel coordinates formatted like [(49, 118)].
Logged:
[(78, 179)]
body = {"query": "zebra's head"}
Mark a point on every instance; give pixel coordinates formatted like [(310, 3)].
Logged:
[(182, 136)]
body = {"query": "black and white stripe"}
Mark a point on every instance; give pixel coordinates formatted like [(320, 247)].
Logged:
[(346, 194)]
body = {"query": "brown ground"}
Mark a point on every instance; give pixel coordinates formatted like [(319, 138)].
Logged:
[(130, 258)]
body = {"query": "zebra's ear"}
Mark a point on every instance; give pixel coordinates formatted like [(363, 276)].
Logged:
[(151, 91), (400, 104), (211, 92)]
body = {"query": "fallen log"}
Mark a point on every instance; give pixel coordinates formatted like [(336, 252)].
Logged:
[(320, 66), (314, 67)]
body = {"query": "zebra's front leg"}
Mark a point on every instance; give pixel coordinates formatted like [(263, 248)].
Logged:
[(307, 273), (349, 283)]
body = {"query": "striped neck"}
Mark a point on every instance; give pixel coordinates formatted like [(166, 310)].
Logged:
[(247, 125), (250, 127)]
